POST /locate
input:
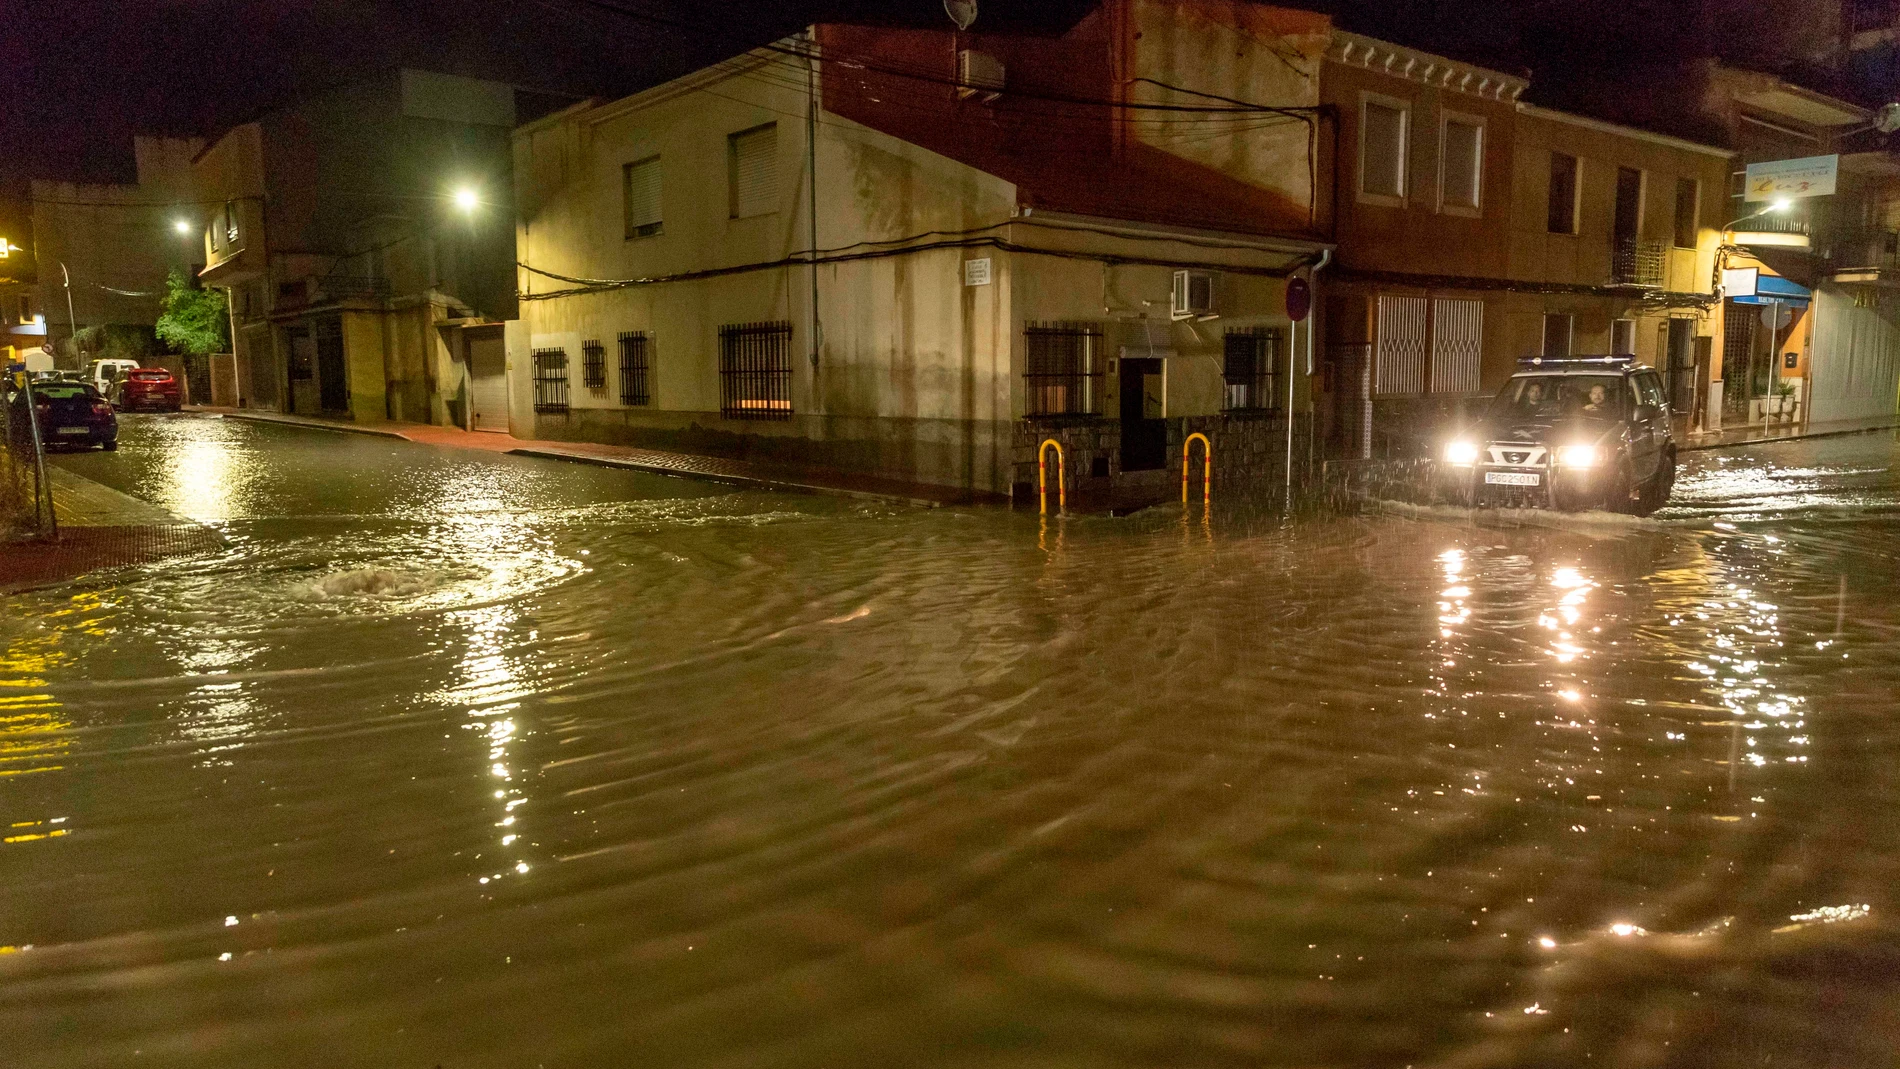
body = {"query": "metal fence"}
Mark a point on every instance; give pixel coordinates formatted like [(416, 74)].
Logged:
[(755, 371), (26, 499)]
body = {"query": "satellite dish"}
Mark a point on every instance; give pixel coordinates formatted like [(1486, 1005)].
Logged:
[(1887, 119), (963, 13)]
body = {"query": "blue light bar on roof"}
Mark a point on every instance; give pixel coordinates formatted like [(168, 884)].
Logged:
[(1560, 362)]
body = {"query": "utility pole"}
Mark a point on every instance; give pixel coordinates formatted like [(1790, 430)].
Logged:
[(811, 199)]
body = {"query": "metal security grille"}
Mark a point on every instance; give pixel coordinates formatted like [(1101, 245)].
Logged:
[(550, 380), (1400, 368), (633, 368), (594, 365), (1457, 345), (755, 370), (1061, 368), (1250, 363)]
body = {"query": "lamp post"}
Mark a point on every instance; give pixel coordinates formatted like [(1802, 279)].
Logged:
[(72, 321), (1781, 205)]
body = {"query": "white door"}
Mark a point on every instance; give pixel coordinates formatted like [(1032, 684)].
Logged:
[(488, 374), (1855, 358)]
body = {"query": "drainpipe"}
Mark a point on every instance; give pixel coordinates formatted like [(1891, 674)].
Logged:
[(811, 201), (1312, 317)]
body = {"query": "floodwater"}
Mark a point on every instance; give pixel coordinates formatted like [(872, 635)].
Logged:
[(478, 761)]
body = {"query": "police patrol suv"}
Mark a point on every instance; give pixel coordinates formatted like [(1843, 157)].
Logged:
[(1569, 433)]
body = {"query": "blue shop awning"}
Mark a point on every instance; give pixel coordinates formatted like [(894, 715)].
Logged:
[(1775, 288)]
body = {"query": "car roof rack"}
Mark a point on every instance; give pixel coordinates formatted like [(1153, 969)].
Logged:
[(1559, 363)]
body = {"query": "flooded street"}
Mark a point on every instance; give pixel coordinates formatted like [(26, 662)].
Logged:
[(463, 760)]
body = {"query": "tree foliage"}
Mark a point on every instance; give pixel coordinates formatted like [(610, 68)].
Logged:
[(194, 319)]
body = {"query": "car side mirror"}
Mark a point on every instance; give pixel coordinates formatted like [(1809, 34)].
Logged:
[(1647, 411)]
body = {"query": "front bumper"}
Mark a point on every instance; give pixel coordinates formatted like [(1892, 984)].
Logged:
[(1544, 486)]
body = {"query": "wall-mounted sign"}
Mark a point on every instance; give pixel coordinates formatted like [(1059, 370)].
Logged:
[(1740, 281), (1810, 176), (976, 272)]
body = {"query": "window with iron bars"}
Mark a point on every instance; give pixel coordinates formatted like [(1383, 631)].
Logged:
[(1062, 368), (633, 368), (594, 365), (550, 380), (1250, 365), (755, 370)]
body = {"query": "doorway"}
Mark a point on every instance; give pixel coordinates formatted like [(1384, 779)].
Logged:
[(488, 379), (1679, 377), (1144, 432), (332, 387), (1738, 357)]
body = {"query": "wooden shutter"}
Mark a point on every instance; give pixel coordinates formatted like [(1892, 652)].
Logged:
[(754, 164), (643, 197)]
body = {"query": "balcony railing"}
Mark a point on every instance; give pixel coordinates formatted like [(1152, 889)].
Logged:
[(1636, 262), (329, 289), (1863, 247)]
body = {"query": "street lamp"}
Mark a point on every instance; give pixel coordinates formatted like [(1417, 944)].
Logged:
[(1781, 205), (183, 226), (467, 200)]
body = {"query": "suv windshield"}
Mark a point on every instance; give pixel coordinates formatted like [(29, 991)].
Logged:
[(1553, 397)]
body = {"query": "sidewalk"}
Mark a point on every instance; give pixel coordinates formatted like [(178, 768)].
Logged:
[(793, 478), (99, 528), (1783, 432)]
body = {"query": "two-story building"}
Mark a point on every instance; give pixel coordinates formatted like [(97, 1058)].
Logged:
[(364, 238), (1475, 229), (922, 254)]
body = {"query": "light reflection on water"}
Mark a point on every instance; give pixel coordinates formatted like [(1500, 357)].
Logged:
[(484, 761)]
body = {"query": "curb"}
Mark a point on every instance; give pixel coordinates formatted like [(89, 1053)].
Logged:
[(334, 428), (745, 481), (1788, 438)]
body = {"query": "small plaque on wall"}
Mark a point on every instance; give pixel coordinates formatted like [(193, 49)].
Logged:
[(976, 272)]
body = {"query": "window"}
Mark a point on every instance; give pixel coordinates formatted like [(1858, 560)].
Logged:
[(633, 368), (1649, 390), (1251, 359), (640, 188), (1557, 333), (230, 222), (594, 365), (1060, 368), (1563, 194), (1461, 179), (1623, 337), (755, 371), (752, 163), (1457, 344), (550, 380), (1399, 366), (1382, 149), (1687, 194)]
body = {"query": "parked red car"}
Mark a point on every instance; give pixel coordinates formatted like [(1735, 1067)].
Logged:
[(147, 387)]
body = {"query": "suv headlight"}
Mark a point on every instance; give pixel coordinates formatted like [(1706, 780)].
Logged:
[(1578, 456), (1461, 453)]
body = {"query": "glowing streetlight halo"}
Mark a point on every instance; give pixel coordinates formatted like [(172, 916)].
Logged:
[(467, 199)]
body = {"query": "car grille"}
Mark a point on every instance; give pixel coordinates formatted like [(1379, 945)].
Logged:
[(1516, 455)]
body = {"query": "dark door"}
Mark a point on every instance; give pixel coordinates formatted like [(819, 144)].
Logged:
[(1679, 369), (1738, 353), (333, 388), (1144, 432), (1629, 200)]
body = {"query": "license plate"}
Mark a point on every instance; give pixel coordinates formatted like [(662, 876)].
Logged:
[(1513, 478), (75, 430)]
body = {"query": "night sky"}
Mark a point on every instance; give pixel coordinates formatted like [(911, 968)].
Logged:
[(82, 76)]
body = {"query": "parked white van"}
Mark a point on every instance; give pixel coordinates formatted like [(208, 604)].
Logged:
[(103, 373)]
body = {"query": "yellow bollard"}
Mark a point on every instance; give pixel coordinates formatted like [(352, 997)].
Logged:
[(1207, 468), (1042, 477)]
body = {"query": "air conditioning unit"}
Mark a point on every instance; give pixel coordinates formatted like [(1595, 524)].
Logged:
[(979, 74), (1193, 294)]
